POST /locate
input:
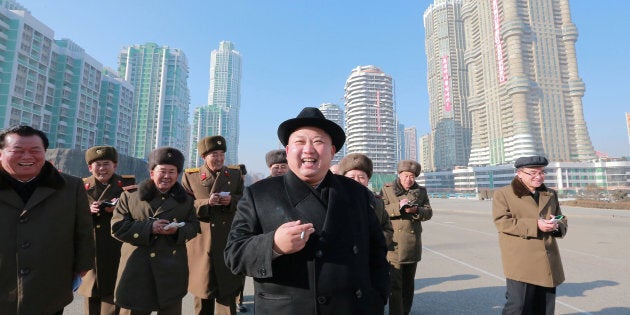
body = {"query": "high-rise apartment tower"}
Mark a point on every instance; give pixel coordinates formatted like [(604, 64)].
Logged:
[(159, 75), (335, 113), (225, 95), (446, 78), (370, 117), (523, 90)]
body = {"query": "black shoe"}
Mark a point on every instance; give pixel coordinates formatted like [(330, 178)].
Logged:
[(241, 308)]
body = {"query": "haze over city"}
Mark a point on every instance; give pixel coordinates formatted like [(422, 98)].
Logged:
[(299, 54)]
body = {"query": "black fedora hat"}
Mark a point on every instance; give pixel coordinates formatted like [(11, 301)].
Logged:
[(312, 117)]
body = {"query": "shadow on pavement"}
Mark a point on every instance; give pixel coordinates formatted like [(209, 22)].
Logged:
[(578, 289)]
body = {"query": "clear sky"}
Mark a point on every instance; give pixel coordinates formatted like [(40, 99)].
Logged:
[(299, 53)]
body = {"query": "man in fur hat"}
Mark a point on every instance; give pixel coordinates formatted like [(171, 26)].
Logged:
[(217, 189), (528, 218), (408, 205), (310, 239), (277, 162), (154, 222), (103, 190), (359, 167)]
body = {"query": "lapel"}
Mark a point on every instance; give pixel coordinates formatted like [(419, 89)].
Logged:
[(166, 205), (304, 204), (221, 180), (12, 199), (543, 199), (39, 195), (339, 207)]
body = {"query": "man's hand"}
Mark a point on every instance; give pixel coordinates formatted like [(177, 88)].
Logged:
[(547, 225), (225, 200), (158, 227), (95, 207), (291, 237)]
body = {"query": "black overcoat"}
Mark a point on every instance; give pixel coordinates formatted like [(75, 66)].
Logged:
[(341, 270)]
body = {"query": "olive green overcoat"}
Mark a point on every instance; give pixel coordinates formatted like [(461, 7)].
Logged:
[(153, 269), (206, 250), (407, 228)]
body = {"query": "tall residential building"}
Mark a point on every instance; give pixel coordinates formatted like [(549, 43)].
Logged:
[(523, 90), (425, 147), (114, 112), (161, 97), (411, 144), (55, 86), (370, 117), (335, 113), (26, 52), (207, 120), (628, 125), (446, 82), (225, 94)]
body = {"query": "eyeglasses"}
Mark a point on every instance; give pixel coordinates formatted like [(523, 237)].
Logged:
[(532, 175)]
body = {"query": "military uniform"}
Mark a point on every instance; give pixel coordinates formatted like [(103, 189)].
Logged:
[(407, 242), (153, 269), (209, 277), (98, 284)]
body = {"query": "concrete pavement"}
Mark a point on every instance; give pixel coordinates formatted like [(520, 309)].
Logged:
[(461, 272)]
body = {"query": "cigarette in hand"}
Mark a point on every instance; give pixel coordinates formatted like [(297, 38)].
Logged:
[(302, 235)]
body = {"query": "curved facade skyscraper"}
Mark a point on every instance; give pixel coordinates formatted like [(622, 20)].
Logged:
[(370, 117)]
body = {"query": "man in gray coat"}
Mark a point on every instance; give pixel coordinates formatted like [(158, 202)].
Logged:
[(45, 227), (528, 218), (309, 238)]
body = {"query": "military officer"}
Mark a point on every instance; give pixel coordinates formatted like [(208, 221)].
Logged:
[(103, 190), (154, 222), (407, 204), (217, 189)]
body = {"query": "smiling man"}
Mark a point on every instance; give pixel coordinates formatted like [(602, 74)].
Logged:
[(103, 189), (309, 238), (45, 227), (522, 213)]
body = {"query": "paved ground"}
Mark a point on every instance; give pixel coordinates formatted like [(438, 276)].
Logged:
[(461, 273)]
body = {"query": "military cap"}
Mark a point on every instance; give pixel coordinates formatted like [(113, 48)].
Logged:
[(166, 155), (312, 117), (409, 166), (276, 156), (535, 160), (101, 153), (356, 161), (209, 144)]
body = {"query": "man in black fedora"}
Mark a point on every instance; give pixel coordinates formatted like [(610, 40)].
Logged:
[(310, 239)]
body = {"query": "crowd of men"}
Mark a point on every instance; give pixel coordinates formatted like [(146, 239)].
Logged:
[(315, 241)]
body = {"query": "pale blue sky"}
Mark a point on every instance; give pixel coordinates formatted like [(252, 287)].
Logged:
[(299, 53)]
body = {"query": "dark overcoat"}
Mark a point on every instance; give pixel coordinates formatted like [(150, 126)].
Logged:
[(528, 254), (153, 270), (45, 242), (206, 250), (407, 227), (100, 281), (341, 270)]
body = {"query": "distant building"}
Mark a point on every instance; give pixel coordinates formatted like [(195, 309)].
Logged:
[(335, 113), (449, 115), (628, 125), (425, 147), (527, 98), (55, 86), (159, 75), (224, 95), (411, 144), (207, 121), (370, 117), (115, 112)]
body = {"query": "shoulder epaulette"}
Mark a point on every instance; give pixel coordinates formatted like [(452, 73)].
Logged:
[(234, 167), (85, 179), (130, 187), (128, 176), (192, 170)]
